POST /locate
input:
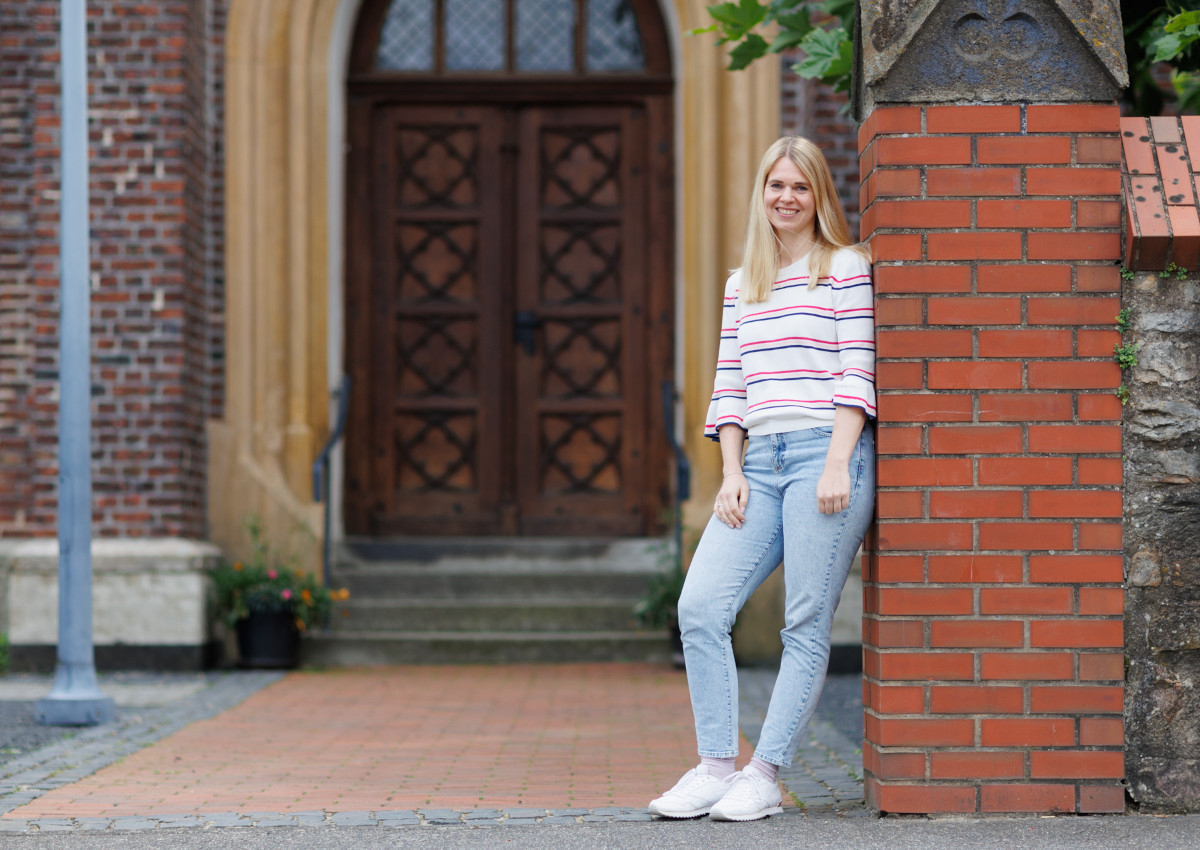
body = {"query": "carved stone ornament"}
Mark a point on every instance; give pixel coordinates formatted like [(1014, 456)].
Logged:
[(990, 50)]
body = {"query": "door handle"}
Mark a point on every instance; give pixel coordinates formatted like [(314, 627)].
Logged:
[(525, 325)]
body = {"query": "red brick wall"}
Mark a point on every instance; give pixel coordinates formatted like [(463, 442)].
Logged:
[(25, 49), (993, 622), (148, 416)]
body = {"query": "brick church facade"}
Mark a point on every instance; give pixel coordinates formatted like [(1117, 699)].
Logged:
[(286, 191), (158, 313)]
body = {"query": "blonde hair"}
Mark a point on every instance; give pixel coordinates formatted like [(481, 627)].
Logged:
[(760, 258)]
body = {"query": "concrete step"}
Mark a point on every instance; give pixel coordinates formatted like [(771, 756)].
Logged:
[(486, 615), (579, 554), (491, 600), (495, 569), (403, 581), (336, 649)]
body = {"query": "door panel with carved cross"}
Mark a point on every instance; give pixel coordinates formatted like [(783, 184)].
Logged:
[(581, 272), (500, 323)]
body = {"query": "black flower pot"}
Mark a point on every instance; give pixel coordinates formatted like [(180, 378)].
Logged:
[(268, 639)]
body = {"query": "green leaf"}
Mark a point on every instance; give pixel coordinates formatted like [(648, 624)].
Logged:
[(702, 30), (786, 40), (841, 9), (1167, 47), (737, 19), (793, 27), (752, 47), (1182, 20), (829, 55), (796, 22)]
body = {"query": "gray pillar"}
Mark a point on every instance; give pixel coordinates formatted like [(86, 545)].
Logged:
[(75, 699)]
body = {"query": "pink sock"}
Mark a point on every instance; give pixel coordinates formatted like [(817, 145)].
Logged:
[(763, 768), (719, 768)]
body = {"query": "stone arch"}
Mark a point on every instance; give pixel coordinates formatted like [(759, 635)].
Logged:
[(284, 78)]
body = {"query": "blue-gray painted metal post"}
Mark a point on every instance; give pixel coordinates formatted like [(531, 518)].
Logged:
[(75, 699)]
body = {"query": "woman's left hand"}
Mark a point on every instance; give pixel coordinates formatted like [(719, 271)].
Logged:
[(833, 489)]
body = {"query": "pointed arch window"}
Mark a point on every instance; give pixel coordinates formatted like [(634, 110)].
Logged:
[(514, 36)]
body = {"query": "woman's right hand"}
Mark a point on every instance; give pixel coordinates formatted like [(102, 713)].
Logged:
[(732, 499)]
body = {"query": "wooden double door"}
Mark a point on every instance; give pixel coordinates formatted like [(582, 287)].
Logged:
[(509, 316)]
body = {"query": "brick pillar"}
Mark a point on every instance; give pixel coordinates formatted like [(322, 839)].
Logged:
[(993, 605)]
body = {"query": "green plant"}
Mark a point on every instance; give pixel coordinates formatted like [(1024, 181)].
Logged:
[(1122, 393), (658, 608), (1126, 273), (1126, 355), (1163, 32), (269, 581), (1124, 319), (1179, 272), (826, 46)]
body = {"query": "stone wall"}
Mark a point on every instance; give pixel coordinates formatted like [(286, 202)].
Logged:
[(1162, 542), (1162, 468)]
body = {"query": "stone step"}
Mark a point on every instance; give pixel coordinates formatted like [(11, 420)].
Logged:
[(488, 615), (400, 581), (485, 554), (338, 649)]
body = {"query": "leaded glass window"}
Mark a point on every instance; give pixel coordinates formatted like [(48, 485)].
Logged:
[(613, 41), (475, 35), (545, 35), (523, 36), (406, 41)]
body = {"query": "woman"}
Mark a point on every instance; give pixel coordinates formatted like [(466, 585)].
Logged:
[(795, 373)]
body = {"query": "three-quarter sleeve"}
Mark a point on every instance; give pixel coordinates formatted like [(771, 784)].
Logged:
[(728, 405), (854, 312)]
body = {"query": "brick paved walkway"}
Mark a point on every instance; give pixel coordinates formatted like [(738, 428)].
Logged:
[(454, 738)]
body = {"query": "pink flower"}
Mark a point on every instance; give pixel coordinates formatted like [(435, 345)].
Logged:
[(286, 594), (271, 574)]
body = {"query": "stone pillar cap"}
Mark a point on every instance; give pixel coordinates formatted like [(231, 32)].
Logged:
[(888, 28)]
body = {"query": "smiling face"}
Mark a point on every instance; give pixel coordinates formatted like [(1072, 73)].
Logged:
[(789, 202)]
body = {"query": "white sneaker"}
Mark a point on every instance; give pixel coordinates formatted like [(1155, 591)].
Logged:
[(751, 796), (692, 796)]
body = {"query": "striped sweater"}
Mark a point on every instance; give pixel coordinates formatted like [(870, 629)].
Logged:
[(785, 363)]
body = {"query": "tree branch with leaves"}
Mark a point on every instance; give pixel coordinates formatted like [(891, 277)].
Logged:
[(823, 39), (1165, 31)]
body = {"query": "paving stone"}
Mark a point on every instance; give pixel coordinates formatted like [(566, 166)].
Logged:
[(526, 813), (558, 819), (354, 819), (129, 824), (571, 812), (410, 821), (225, 819), (519, 822), (398, 815), (280, 820), (13, 825), (180, 823), (93, 824), (482, 814), (634, 816), (429, 814)]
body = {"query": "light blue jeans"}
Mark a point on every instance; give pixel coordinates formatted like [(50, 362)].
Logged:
[(782, 524)]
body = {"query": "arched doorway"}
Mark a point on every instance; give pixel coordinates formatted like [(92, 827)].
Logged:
[(509, 267)]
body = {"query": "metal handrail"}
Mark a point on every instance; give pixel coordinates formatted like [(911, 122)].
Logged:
[(683, 469), (321, 482)]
